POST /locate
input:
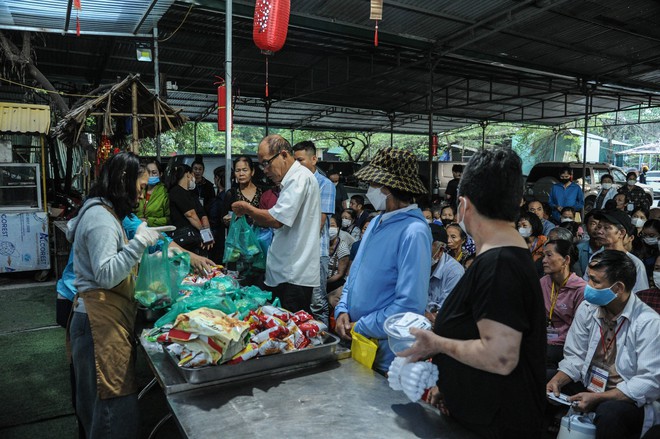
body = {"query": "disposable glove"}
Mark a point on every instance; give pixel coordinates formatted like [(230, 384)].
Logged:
[(412, 378), (146, 235)]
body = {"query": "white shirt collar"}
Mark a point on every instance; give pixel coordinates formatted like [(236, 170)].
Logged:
[(388, 215)]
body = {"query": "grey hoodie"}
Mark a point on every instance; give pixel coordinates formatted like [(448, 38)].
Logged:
[(101, 259)]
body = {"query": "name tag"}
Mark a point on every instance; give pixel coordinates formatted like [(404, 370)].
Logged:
[(597, 379), (552, 333)]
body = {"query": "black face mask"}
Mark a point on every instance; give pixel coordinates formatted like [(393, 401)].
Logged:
[(447, 221), (564, 180)]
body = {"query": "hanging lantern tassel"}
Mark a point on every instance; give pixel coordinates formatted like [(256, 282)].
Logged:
[(376, 14), (266, 75), (77, 6)]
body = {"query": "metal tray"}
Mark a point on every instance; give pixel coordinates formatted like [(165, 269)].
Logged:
[(259, 365)]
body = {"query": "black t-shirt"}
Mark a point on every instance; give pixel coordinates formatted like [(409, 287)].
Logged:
[(452, 190), (204, 193), (181, 201), (501, 285)]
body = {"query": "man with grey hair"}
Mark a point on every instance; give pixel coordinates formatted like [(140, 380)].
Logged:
[(292, 264), (560, 233)]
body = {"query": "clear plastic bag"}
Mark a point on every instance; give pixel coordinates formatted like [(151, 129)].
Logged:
[(153, 288)]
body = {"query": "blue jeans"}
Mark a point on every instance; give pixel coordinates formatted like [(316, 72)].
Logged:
[(319, 306), (113, 418)]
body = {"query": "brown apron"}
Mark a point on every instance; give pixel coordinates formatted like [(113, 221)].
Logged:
[(111, 316)]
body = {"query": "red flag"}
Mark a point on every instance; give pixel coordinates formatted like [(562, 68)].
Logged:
[(76, 4)]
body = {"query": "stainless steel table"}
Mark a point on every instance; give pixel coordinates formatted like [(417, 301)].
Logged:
[(336, 398)]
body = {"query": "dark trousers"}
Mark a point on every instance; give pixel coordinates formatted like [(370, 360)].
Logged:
[(293, 297), (614, 419)]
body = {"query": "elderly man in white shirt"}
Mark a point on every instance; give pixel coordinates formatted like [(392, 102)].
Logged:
[(292, 265), (611, 362)]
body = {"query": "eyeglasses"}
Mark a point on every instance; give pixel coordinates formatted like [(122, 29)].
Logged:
[(266, 163)]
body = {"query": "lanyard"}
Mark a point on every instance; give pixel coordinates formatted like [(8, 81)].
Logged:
[(553, 297), (602, 338)]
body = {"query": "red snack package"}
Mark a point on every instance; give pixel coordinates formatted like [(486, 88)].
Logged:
[(270, 333), (301, 317), (250, 351)]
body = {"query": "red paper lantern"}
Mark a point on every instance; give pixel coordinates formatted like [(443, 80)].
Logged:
[(222, 108), (271, 23), (434, 145)]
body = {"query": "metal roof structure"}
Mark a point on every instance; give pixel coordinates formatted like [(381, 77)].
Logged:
[(530, 61), (24, 118)]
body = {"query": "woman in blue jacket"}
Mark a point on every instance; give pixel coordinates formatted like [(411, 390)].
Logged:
[(390, 273)]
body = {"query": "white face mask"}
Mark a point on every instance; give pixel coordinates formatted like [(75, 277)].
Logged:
[(656, 278), (566, 220), (345, 222), (525, 232), (607, 186), (430, 221), (333, 232), (650, 241), (637, 222), (461, 223), (632, 182), (377, 197), (192, 185), (335, 184)]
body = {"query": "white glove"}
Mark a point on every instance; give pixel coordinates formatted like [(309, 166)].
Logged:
[(146, 235), (412, 378), (394, 374)]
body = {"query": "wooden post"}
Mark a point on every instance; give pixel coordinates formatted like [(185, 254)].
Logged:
[(135, 143)]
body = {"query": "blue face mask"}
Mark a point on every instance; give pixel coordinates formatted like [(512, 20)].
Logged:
[(153, 181), (598, 297)]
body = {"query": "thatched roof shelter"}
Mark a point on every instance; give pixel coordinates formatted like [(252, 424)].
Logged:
[(128, 101)]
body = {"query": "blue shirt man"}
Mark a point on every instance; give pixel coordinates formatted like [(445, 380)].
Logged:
[(305, 154), (565, 194)]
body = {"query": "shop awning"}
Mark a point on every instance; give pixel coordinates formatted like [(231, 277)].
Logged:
[(24, 118), (648, 149)]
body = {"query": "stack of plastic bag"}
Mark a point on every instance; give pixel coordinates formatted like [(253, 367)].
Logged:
[(412, 378)]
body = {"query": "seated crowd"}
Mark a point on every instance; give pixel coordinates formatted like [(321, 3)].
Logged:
[(599, 275)]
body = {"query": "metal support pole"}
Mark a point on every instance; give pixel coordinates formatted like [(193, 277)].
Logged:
[(554, 148), (292, 142), (157, 90), (267, 107), (432, 65), (392, 118), (228, 84), (587, 96), (195, 137), (483, 126)]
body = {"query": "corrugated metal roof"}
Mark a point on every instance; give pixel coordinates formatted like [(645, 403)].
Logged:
[(98, 17), (24, 118), (512, 60)]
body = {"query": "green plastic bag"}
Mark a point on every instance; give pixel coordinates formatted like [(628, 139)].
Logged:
[(241, 242), (153, 288)]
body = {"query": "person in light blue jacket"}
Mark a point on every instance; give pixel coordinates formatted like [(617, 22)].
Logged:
[(565, 194), (390, 273)]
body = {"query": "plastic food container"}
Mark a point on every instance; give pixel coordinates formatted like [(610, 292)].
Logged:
[(397, 327)]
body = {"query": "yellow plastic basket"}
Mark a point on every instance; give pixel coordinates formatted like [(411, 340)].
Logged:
[(363, 349)]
